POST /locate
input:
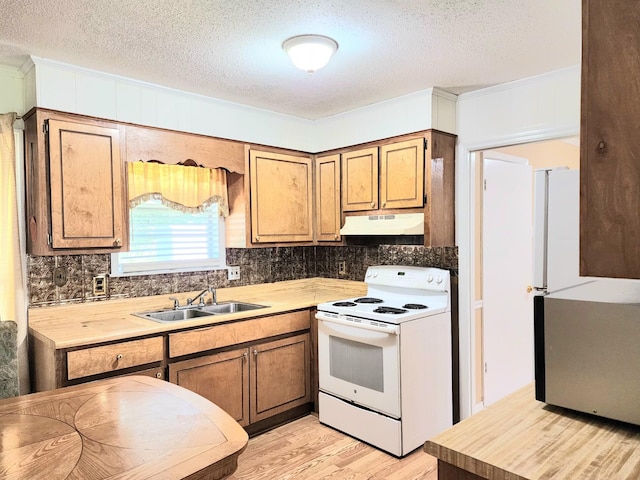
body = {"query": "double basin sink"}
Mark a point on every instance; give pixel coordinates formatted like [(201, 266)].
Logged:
[(198, 311)]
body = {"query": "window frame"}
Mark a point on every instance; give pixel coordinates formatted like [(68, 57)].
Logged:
[(119, 269)]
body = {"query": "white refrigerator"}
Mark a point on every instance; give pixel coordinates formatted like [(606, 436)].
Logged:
[(556, 257)]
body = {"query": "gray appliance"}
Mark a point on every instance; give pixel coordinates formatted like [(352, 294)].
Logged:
[(587, 348)]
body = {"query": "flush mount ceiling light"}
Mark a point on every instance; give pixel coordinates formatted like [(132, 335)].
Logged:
[(310, 52)]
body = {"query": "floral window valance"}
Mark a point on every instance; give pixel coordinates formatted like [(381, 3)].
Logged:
[(188, 189)]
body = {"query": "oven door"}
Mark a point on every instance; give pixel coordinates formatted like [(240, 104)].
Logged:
[(359, 362)]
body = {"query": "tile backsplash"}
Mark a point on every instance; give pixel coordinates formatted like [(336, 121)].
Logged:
[(257, 265)]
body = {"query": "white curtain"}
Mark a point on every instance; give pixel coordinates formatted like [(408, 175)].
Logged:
[(13, 302)]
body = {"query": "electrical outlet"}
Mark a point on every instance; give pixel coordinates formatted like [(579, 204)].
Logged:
[(233, 273), (342, 268), (60, 276), (100, 285)]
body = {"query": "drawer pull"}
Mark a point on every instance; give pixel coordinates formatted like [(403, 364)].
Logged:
[(158, 374), (245, 355), (119, 356), (255, 353)]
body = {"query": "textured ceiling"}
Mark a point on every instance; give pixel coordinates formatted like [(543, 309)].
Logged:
[(231, 49)]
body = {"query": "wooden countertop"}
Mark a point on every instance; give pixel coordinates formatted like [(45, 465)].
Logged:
[(520, 438), (127, 427), (72, 325)]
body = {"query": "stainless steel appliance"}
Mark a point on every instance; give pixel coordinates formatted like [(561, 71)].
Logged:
[(385, 359), (586, 344)]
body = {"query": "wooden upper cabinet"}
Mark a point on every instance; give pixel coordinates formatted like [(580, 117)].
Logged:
[(75, 185), (360, 180), (328, 198), (609, 153), (402, 174), (281, 191), (439, 207)]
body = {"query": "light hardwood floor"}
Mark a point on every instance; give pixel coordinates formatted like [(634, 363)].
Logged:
[(306, 450)]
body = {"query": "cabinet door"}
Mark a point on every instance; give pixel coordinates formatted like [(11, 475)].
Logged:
[(402, 174), (222, 378), (609, 154), (281, 198), (86, 185), (360, 180), (328, 198), (280, 376)]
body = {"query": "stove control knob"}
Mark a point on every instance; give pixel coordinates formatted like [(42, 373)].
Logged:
[(375, 274), (368, 274), (430, 278), (439, 280)]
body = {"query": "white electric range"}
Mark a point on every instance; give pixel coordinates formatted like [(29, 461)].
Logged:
[(385, 359)]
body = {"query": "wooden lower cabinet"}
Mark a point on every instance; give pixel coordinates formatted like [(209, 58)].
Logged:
[(252, 383), (222, 378), (280, 376)]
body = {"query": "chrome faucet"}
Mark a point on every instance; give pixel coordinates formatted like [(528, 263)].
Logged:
[(214, 295), (201, 297)]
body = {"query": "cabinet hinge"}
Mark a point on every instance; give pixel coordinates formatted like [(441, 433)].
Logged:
[(45, 126), (425, 200), (426, 144), (49, 239), (484, 183)]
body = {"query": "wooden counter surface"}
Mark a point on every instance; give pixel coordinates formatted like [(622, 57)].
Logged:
[(520, 438), (72, 325), (131, 427)]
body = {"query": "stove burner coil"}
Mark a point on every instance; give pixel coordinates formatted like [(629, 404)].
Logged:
[(368, 300), (344, 304), (414, 306), (392, 310)]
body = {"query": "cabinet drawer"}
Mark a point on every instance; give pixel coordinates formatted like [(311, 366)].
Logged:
[(108, 358), (218, 336)]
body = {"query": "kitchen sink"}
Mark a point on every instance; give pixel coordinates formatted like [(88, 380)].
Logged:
[(230, 307), (198, 311)]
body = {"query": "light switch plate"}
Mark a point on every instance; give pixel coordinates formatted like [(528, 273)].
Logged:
[(233, 273)]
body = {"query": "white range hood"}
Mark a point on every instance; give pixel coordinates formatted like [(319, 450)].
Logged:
[(395, 224)]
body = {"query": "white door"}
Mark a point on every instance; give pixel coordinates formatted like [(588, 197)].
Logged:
[(507, 251)]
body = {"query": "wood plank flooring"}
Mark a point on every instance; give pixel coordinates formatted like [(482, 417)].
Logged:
[(306, 450)]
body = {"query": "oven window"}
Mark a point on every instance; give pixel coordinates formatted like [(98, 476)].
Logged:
[(356, 362)]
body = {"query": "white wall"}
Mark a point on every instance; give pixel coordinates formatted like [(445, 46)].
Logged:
[(68, 88), (12, 85), (430, 108), (544, 107)]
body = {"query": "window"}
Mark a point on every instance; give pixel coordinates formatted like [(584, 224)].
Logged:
[(164, 240)]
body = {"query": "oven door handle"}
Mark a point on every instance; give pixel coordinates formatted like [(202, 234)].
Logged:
[(391, 330)]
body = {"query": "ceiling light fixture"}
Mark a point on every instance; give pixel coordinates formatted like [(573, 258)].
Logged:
[(310, 52)]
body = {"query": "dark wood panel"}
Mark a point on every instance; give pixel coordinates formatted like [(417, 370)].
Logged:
[(610, 151)]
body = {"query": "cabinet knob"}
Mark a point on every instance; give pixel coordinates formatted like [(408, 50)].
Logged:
[(245, 355), (117, 242), (384, 204), (373, 204), (255, 353), (158, 374), (257, 238), (335, 237), (119, 356)]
